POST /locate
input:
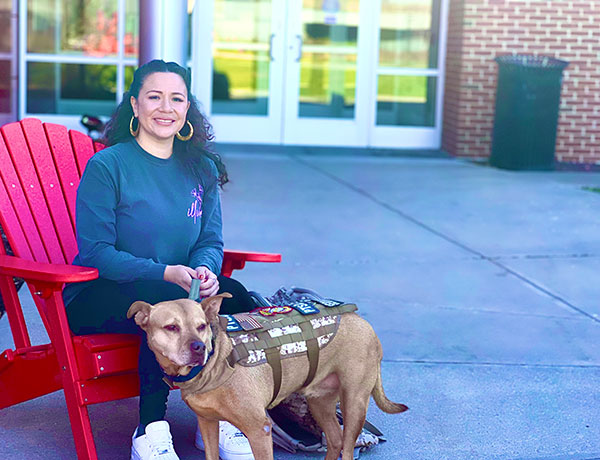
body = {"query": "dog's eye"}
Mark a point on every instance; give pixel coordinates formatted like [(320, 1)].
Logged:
[(172, 328), (201, 327)]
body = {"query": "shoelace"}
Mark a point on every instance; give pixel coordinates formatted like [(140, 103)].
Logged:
[(162, 446)]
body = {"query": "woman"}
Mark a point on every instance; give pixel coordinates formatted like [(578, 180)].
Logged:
[(149, 219)]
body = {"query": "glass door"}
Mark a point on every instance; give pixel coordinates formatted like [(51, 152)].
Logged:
[(322, 72), (409, 63), (242, 94), (325, 73)]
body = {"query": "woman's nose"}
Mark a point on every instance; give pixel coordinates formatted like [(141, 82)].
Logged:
[(166, 105)]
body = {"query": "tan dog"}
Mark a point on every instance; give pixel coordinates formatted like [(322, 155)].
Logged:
[(182, 334)]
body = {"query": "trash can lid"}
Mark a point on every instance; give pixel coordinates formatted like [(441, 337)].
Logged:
[(531, 62)]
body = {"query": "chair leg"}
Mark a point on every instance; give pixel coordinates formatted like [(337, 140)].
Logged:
[(77, 408), (80, 423)]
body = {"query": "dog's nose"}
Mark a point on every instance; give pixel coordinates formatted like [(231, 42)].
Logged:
[(198, 347)]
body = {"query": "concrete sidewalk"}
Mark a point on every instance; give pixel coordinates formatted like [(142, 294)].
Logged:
[(481, 284)]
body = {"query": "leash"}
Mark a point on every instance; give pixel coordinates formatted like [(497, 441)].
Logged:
[(170, 379)]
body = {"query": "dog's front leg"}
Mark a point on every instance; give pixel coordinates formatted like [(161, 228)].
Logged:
[(259, 434), (210, 435)]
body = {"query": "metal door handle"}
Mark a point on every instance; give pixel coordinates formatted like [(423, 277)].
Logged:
[(271, 47), (299, 38)]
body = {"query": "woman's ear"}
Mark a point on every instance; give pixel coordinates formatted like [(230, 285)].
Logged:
[(134, 105)]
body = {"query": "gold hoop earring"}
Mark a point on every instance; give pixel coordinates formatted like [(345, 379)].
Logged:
[(189, 136), (131, 131)]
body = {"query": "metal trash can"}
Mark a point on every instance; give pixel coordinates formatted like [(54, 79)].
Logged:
[(526, 115)]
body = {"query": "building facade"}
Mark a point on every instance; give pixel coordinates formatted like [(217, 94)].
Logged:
[(416, 74)]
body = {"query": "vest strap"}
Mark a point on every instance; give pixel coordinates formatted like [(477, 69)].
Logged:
[(274, 360), (312, 350)]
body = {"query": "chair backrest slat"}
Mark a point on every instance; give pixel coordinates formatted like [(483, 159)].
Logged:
[(64, 158), (46, 169), (18, 218), (8, 219), (30, 182), (83, 147)]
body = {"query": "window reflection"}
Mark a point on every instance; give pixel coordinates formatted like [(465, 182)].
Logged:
[(406, 100), (409, 33), (241, 61), (66, 26), (5, 86), (71, 88), (329, 58)]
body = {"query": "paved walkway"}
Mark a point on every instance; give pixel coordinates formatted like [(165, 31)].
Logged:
[(481, 284)]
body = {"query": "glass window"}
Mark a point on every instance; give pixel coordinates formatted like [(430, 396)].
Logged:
[(406, 100), (329, 57), (132, 26), (409, 33), (86, 27), (241, 60), (5, 86), (6, 28), (71, 89)]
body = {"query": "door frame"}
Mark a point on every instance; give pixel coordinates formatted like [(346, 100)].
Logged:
[(282, 125)]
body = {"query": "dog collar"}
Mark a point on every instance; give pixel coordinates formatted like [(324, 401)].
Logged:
[(193, 373)]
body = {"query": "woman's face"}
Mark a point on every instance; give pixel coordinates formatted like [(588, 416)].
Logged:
[(162, 105)]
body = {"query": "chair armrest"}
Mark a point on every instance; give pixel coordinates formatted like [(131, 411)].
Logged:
[(236, 260), (49, 273)]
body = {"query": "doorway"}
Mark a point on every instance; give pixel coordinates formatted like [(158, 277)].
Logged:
[(321, 72)]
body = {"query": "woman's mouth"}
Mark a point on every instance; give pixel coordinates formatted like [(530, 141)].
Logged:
[(164, 121)]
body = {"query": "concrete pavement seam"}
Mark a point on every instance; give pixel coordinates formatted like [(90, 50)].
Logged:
[(426, 227), (489, 363)]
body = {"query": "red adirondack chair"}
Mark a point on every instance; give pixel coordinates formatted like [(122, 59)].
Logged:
[(40, 168)]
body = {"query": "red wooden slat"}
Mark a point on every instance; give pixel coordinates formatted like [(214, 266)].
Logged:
[(49, 273), (19, 202), (21, 157), (83, 147), (64, 158), (11, 225), (98, 146), (48, 177)]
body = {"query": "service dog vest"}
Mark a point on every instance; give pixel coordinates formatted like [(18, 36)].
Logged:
[(269, 334)]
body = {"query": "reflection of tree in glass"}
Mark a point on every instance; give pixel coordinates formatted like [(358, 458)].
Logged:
[(87, 81)]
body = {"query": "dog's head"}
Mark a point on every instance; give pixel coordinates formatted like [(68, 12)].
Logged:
[(178, 331)]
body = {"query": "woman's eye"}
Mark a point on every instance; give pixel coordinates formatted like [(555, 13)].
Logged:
[(172, 328), (177, 99), (153, 97)]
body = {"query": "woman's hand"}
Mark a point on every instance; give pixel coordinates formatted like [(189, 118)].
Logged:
[(180, 275), (209, 284)]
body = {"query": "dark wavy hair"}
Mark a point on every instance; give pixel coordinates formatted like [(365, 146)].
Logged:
[(190, 152)]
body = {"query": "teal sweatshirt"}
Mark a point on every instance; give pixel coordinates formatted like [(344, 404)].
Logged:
[(137, 213)]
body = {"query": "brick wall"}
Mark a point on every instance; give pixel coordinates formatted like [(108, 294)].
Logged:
[(480, 30)]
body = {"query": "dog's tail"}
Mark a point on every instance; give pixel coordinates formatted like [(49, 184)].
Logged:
[(381, 399)]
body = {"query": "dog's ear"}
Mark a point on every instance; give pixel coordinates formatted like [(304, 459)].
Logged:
[(140, 311), (212, 305)]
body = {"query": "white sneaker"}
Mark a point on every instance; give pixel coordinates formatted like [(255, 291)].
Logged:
[(233, 445), (156, 444)]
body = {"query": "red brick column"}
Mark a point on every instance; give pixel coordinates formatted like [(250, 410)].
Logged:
[(480, 30)]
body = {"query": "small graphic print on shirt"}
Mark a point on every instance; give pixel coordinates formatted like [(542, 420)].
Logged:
[(195, 210)]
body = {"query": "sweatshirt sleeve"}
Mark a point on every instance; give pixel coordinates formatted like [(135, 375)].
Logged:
[(97, 199), (208, 250)]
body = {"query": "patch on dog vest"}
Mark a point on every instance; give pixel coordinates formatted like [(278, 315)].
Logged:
[(305, 308), (288, 332), (272, 311), (232, 324), (329, 302)]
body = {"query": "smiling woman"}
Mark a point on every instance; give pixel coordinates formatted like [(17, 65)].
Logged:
[(148, 218)]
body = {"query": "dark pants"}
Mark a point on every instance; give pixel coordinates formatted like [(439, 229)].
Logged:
[(102, 307)]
